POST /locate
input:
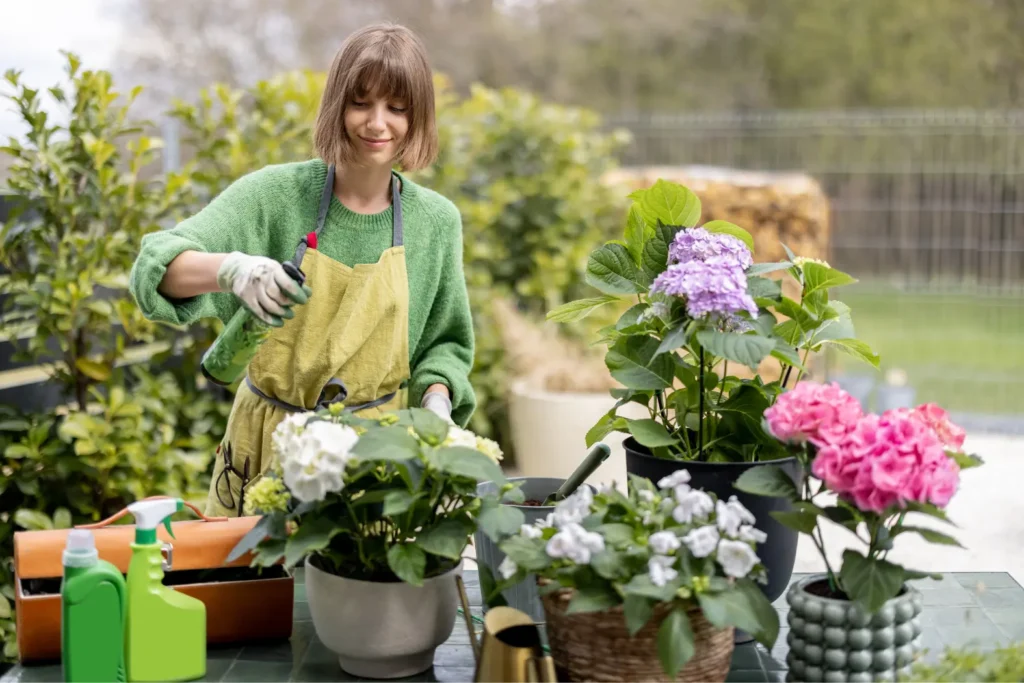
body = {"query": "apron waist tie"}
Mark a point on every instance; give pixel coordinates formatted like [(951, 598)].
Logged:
[(322, 402)]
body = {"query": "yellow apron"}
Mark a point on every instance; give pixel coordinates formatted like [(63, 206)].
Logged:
[(349, 343)]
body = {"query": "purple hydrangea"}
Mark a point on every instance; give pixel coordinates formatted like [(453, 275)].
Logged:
[(697, 244), (716, 288)]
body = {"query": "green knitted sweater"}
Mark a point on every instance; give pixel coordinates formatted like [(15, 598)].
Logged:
[(267, 212)]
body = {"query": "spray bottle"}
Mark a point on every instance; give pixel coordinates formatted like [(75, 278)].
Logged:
[(229, 355), (93, 606), (165, 631)]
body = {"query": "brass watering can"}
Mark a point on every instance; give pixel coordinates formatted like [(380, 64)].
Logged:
[(510, 649)]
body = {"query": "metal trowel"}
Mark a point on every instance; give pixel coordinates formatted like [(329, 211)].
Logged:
[(597, 455)]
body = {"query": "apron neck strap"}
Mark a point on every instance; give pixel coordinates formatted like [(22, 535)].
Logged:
[(325, 204)]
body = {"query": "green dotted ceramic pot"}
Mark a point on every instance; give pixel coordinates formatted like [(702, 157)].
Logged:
[(837, 640)]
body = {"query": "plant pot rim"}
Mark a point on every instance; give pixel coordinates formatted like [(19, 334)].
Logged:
[(308, 564), (631, 444), (801, 585), (592, 488)]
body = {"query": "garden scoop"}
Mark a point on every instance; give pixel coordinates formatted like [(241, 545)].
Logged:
[(597, 455), (510, 650)]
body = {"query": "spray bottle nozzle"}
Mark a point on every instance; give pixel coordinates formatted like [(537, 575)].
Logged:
[(149, 513)]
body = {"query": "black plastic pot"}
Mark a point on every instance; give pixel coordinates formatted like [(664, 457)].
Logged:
[(778, 553)]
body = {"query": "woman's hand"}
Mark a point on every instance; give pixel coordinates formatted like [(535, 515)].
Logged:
[(263, 286), (436, 400)]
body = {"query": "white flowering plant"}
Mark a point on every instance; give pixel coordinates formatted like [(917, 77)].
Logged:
[(704, 308), (668, 543), (376, 500)]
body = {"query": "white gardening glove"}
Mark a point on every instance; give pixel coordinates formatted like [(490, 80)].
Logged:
[(262, 285), (439, 404)]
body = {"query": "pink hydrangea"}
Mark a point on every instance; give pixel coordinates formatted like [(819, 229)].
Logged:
[(951, 435), (886, 461), (819, 413)]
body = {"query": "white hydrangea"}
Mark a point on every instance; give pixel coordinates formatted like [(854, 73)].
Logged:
[(646, 496), (737, 558), (467, 439), (664, 542), (751, 535), (531, 531), (316, 465), (692, 504), (702, 541), (507, 568), (575, 543), (673, 480), (660, 570), (573, 509), (285, 438), (732, 515)]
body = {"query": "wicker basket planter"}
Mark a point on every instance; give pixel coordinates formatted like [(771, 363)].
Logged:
[(596, 646)]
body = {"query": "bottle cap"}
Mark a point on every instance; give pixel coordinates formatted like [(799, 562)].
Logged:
[(80, 549)]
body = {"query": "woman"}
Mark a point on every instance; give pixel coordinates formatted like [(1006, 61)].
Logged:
[(385, 321)]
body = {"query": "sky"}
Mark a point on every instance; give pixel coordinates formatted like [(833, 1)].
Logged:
[(32, 34)]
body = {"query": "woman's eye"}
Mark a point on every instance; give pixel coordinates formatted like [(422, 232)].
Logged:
[(398, 110)]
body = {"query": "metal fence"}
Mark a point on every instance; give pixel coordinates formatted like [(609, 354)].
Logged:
[(927, 210)]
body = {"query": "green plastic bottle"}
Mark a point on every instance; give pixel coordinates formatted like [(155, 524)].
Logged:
[(93, 604), (165, 631)]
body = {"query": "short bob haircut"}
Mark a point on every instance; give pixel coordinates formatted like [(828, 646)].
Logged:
[(385, 60)]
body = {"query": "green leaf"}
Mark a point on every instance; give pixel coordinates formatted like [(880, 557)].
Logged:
[(638, 610), (608, 564), (387, 444), (498, 521), (430, 427), (675, 642), (745, 349), (579, 309), (870, 582), (641, 585), (469, 462), (929, 535), (33, 520), (637, 234), (312, 536), (730, 608), (5, 608), (62, 518), (397, 502), (767, 480), (742, 413), (857, 349), (764, 268), (616, 533), (92, 369), (930, 510), (914, 575), (764, 613), (606, 425), (408, 562), (650, 433), (611, 270), (526, 553), (764, 288), (668, 202), (489, 588), (448, 538), (632, 362), (727, 228), (655, 257), (803, 522), (819, 277), (251, 539), (965, 460), (675, 339), (592, 598), (842, 516)]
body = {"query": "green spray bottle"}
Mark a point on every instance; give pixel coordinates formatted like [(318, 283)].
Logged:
[(165, 630), (93, 605), (229, 355)]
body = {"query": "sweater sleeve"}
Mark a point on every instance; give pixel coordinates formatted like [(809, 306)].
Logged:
[(233, 221), (445, 352)]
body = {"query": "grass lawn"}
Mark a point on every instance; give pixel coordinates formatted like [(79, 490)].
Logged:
[(964, 352)]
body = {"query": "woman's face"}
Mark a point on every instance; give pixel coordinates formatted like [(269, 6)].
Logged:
[(376, 126)]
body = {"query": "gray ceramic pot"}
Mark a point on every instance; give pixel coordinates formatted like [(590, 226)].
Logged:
[(382, 630), (837, 640), (523, 596)]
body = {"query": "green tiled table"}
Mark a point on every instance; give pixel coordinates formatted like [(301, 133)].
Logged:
[(962, 609)]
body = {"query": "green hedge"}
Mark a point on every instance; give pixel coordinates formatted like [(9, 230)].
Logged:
[(525, 175)]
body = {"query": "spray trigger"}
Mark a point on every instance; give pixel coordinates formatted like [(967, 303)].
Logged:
[(167, 525)]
